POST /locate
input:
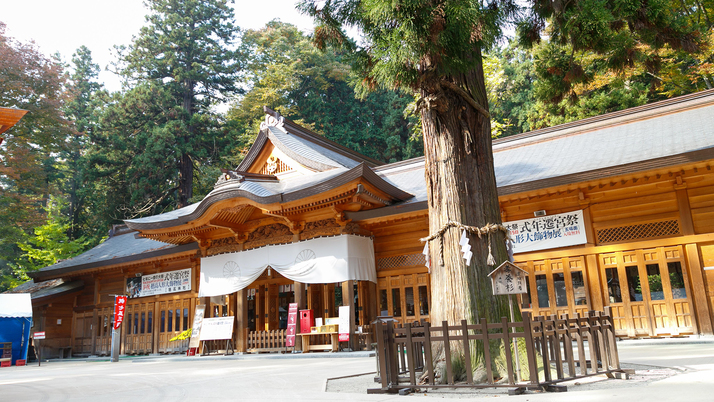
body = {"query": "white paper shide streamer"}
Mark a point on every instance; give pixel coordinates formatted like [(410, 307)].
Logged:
[(465, 247)]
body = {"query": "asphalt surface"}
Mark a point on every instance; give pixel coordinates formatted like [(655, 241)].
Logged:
[(678, 371)]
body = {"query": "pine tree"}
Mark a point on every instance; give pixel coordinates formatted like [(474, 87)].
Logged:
[(185, 51)]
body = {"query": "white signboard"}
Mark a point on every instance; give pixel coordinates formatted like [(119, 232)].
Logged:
[(217, 328), (158, 284), (196, 327), (344, 324), (547, 232)]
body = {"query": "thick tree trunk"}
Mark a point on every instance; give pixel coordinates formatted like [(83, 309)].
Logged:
[(461, 187), (185, 187)]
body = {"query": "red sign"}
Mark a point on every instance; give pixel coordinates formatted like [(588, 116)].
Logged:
[(292, 325), (39, 335), (119, 308)]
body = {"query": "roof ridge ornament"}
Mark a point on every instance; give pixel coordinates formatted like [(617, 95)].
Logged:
[(273, 121), (228, 177)]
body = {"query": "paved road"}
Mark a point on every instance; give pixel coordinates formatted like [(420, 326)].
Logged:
[(259, 378)]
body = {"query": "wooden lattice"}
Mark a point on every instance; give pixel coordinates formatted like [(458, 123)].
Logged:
[(274, 166), (408, 260), (641, 231)]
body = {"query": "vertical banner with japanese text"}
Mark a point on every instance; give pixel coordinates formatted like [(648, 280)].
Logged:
[(292, 325), (119, 309), (344, 327)]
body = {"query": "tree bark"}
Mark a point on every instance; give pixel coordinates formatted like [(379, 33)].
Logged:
[(461, 187), (185, 187), (185, 191)]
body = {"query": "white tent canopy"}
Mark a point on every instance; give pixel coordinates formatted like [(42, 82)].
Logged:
[(322, 260), (15, 305)]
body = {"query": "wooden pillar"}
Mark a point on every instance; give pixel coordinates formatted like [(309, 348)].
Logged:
[(314, 299), (349, 300), (260, 308), (587, 218), (271, 302), (301, 301), (328, 301), (95, 321), (156, 322), (241, 308), (699, 290), (370, 305), (595, 288), (685, 212)]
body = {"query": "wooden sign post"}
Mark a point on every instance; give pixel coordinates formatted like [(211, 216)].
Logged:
[(37, 336), (119, 309), (509, 279), (194, 342)]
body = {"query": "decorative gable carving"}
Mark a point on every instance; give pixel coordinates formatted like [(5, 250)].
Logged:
[(273, 165)]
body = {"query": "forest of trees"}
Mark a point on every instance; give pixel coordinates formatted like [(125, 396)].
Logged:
[(84, 158)]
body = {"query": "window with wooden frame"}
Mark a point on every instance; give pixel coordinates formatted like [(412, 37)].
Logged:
[(407, 298)]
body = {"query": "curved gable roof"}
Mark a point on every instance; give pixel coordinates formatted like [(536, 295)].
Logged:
[(302, 145)]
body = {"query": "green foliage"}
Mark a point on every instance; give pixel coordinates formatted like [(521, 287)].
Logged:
[(604, 46), (28, 156), (87, 99), (49, 242), (406, 39), (285, 71)]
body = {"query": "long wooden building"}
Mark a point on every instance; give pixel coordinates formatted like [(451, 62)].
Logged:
[(616, 210)]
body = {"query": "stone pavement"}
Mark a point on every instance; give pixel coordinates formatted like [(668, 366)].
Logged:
[(305, 378)]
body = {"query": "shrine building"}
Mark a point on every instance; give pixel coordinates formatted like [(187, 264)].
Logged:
[(615, 210)]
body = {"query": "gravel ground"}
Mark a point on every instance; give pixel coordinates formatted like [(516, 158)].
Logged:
[(643, 375)]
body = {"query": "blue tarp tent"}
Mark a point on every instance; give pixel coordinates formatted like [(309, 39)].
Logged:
[(15, 322)]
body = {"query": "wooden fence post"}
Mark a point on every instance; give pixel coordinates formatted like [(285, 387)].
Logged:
[(614, 357), (467, 352), (507, 347), (447, 353), (410, 355), (427, 352), (530, 348)]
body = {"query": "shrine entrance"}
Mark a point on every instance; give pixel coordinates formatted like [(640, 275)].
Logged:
[(648, 291), (556, 286), (138, 328)]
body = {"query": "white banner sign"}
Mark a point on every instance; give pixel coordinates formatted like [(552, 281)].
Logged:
[(158, 284), (322, 260), (217, 328), (344, 326), (547, 232)]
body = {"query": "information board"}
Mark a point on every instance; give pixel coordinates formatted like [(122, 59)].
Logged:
[(217, 328), (547, 232), (158, 284)]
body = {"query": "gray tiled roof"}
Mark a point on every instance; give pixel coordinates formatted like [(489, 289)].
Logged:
[(124, 245), (308, 153), (588, 148), (408, 176)]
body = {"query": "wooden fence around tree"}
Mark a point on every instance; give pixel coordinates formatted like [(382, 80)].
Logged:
[(537, 352)]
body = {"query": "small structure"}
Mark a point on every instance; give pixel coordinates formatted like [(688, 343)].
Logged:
[(509, 279), (15, 323)]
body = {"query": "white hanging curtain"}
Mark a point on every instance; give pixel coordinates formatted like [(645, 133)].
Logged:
[(323, 260)]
